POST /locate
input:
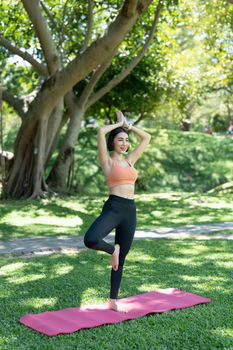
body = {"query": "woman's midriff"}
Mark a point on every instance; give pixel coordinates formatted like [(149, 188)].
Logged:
[(126, 191)]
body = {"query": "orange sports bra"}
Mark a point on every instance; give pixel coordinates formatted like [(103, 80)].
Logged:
[(121, 175)]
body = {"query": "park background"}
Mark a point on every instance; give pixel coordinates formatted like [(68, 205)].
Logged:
[(64, 75)]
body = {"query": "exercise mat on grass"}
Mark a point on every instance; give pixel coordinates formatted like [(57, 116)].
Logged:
[(75, 318)]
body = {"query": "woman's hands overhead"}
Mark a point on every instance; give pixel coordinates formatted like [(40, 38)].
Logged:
[(121, 118)]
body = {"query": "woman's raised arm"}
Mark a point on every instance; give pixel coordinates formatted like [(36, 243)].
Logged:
[(145, 140), (102, 145)]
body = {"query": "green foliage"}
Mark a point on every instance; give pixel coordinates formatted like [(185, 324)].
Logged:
[(219, 123), (196, 44), (11, 124), (194, 161), (137, 89), (175, 160)]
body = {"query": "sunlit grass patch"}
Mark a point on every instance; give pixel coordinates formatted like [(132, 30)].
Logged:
[(39, 302), (223, 332), (23, 279), (17, 220), (83, 279)]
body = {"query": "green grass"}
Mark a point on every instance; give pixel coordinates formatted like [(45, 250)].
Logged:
[(72, 215), (214, 233), (59, 281), (222, 232)]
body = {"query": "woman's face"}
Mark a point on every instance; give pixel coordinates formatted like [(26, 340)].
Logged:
[(121, 142)]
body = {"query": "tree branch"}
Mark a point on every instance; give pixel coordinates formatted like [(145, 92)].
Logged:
[(39, 67), (15, 102), (50, 16), (129, 8), (125, 72), (60, 30), (39, 22), (99, 52), (92, 83), (89, 25), (141, 117)]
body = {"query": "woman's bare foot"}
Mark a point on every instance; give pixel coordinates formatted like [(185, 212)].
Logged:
[(115, 257), (116, 307)]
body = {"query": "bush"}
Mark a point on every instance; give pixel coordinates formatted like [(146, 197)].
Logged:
[(218, 123)]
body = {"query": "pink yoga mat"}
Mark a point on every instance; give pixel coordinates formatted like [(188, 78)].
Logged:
[(73, 319)]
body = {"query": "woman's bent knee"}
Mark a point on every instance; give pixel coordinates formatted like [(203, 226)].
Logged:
[(90, 242)]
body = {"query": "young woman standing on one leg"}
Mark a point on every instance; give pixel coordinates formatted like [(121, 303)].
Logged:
[(119, 210)]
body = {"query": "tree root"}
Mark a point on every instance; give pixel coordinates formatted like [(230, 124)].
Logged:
[(42, 194)]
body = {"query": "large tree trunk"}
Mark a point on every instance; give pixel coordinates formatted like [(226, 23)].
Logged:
[(32, 150), (20, 179), (25, 178), (59, 176)]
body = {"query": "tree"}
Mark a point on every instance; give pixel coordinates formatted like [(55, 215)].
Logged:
[(199, 63), (44, 116)]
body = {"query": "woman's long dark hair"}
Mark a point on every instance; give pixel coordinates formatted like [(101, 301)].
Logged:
[(111, 137)]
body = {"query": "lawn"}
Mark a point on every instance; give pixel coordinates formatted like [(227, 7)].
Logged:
[(73, 215), (58, 281)]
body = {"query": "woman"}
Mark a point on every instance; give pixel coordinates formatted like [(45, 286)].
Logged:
[(119, 210)]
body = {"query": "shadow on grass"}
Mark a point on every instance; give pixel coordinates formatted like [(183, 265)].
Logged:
[(26, 206), (56, 209), (60, 281)]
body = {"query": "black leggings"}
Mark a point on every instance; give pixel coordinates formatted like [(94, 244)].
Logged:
[(118, 213)]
